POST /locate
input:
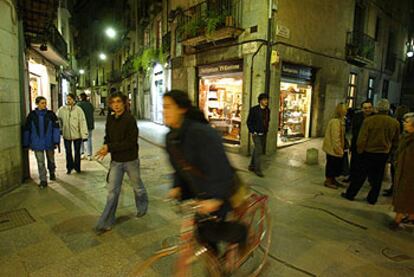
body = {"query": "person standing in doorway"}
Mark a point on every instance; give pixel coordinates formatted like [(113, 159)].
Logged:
[(334, 146), (258, 124), (42, 135), (121, 140), (378, 137), (74, 130), (88, 110)]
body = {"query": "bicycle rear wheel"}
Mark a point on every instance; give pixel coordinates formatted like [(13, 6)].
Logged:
[(258, 221)]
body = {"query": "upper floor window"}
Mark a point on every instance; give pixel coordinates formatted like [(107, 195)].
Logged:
[(377, 28), (352, 87), (385, 85), (370, 93)]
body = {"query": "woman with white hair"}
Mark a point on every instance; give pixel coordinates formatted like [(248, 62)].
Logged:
[(404, 178)]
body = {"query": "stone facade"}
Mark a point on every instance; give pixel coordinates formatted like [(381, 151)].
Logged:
[(11, 165)]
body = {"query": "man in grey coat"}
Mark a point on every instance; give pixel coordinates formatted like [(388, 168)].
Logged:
[(88, 109)]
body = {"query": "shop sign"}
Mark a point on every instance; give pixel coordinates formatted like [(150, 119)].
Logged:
[(227, 67), (297, 71), (250, 48), (283, 31)]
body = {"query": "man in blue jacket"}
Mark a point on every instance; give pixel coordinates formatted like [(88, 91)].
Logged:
[(42, 135), (258, 124)]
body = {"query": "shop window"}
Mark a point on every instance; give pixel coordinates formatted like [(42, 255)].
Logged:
[(294, 112), (220, 99), (370, 93), (385, 86), (352, 87)]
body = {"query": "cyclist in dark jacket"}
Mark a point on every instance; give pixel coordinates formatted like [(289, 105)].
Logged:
[(202, 169), (41, 134)]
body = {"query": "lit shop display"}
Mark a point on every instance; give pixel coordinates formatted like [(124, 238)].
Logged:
[(295, 106), (39, 82), (220, 99)]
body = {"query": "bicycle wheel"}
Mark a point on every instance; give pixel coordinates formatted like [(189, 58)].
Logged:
[(258, 222), (165, 263)]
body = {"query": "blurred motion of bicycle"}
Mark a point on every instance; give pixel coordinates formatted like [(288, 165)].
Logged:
[(192, 258)]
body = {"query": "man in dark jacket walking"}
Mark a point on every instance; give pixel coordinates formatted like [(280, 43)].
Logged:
[(258, 124), (121, 140), (42, 135), (88, 109)]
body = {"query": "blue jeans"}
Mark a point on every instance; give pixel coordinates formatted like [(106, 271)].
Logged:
[(89, 144), (115, 177)]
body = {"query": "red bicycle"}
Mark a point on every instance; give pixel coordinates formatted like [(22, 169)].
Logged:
[(188, 257)]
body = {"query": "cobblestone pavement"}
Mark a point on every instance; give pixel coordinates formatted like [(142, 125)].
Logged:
[(315, 232)]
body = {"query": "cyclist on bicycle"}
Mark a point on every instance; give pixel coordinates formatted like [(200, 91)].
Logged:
[(202, 170)]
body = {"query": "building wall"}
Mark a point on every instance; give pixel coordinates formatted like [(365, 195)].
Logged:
[(10, 135)]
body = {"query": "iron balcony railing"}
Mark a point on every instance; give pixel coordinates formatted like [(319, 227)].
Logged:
[(209, 16), (57, 41), (360, 46)]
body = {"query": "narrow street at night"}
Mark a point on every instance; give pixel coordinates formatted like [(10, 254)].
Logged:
[(206, 138)]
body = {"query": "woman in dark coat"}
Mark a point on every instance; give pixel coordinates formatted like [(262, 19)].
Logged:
[(403, 200), (202, 169)]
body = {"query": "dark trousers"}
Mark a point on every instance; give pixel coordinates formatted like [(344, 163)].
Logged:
[(259, 150), (333, 166), (213, 232), (371, 166), (70, 164)]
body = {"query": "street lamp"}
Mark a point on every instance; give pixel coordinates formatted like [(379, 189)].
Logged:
[(110, 32), (102, 56), (81, 71), (410, 49)]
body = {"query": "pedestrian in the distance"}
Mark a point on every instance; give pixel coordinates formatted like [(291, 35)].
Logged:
[(42, 135), (89, 110), (74, 130), (121, 140), (258, 124), (403, 199), (102, 107), (378, 137), (333, 146)]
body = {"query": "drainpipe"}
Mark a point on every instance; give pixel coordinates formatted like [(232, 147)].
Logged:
[(251, 89), (269, 48)]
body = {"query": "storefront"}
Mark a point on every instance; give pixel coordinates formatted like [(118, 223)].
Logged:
[(295, 104), (220, 97), (39, 82)]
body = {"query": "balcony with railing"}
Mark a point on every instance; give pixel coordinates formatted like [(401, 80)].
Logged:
[(360, 48), (208, 21)]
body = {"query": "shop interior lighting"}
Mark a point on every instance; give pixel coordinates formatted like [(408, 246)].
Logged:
[(410, 49), (81, 71)]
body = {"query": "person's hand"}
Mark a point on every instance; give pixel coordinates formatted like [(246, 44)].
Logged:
[(100, 155), (174, 193), (209, 205)]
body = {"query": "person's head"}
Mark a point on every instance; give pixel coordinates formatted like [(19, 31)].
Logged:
[(118, 102), (83, 96), (263, 99), (401, 111), (383, 106), (112, 91), (340, 110), (41, 102), (409, 123), (367, 107), (71, 99), (177, 106)]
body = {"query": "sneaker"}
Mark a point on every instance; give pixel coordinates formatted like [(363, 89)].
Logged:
[(330, 185), (90, 158), (101, 231), (387, 193), (52, 176), (68, 171), (83, 157), (140, 214), (42, 184), (259, 173), (251, 168)]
